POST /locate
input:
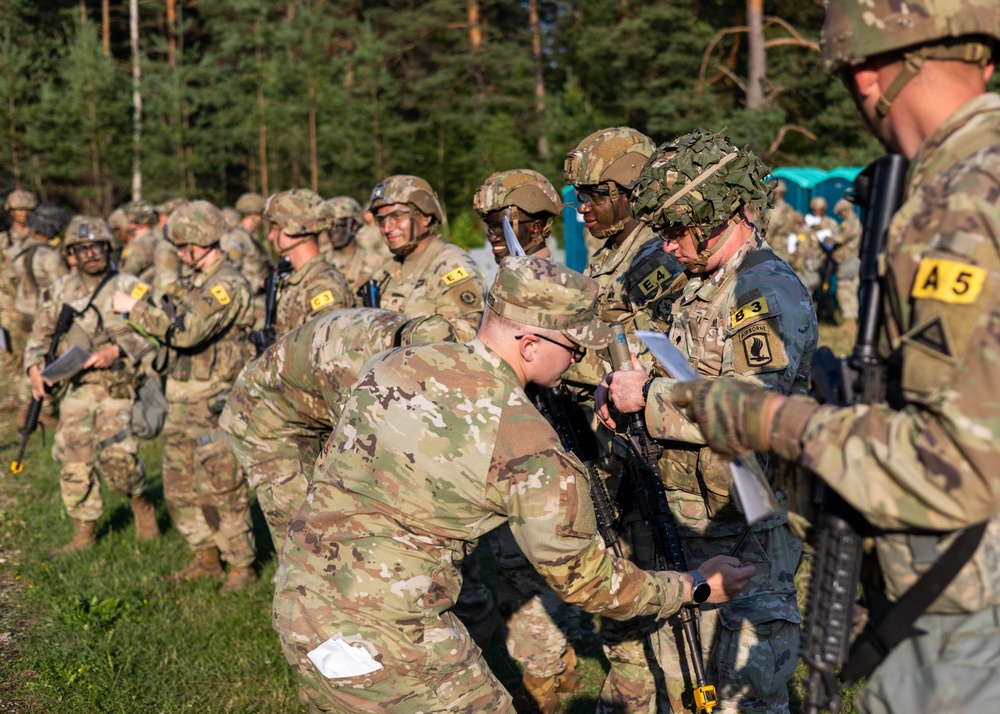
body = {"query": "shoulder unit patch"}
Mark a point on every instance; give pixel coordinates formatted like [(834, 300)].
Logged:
[(220, 294), (320, 300), (455, 276)]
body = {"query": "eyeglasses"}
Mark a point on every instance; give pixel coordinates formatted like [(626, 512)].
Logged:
[(577, 353), (395, 218), (85, 249), (591, 195)]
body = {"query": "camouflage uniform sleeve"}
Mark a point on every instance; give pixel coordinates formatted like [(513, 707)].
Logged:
[(462, 288), (546, 495), (132, 344), (51, 267), (215, 308), (166, 280), (327, 292), (44, 327)]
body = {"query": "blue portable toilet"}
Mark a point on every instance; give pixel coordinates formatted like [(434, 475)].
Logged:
[(800, 182), (833, 186), (573, 242)]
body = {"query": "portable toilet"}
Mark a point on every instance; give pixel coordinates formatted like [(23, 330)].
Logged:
[(573, 242)]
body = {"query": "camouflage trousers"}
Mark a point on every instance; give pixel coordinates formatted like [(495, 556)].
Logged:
[(94, 440), (280, 499), (750, 645), (952, 665), (206, 495), (539, 624), (473, 688), (847, 295)]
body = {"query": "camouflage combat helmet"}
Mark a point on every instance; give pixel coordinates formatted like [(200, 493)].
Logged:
[(141, 212), (88, 229), (48, 220), (530, 194), (20, 200), (615, 154), (196, 223), (780, 188), (168, 207), (917, 30), (345, 207), (249, 203), (701, 181), (231, 216), (298, 212), (411, 190), (842, 207), (118, 221), (817, 203)]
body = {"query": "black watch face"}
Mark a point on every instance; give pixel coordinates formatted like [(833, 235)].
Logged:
[(701, 592)]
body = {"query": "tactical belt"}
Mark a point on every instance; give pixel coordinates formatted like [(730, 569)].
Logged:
[(206, 439), (875, 644), (116, 439)]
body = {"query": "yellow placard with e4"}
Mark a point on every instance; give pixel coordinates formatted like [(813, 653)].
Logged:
[(139, 291), (456, 275), (948, 281), (324, 298), (220, 294), (754, 308)]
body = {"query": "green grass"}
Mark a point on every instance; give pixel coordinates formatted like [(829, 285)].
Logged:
[(101, 631)]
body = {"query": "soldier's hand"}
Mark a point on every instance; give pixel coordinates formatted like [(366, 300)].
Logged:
[(38, 383), (103, 358), (734, 417), (726, 576), (122, 302), (623, 390)]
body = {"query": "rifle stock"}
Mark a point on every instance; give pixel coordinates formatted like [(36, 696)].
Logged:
[(265, 337), (66, 316), (859, 379)]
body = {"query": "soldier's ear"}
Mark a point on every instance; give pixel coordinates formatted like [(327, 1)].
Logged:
[(866, 79)]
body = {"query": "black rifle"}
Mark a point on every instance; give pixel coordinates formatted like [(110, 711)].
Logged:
[(859, 379), (570, 423), (370, 293), (5, 340), (651, 497), (265, 337), (63, 323)]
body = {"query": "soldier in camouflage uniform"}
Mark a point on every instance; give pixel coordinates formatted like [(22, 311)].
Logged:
[(241, 246), (538, 622), (35, 267), (285, 404), (744, 313), (209, 342), (119, 224), (19, 205), (816, 243), (405, 488), (94, 437), (923, 466), (426, 275), (138, 257), (782, 225), (846, 256), (315, 287), (342, 245), (171, 277), (639, 283)]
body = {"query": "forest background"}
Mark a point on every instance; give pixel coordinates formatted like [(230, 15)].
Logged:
[(265, 95)]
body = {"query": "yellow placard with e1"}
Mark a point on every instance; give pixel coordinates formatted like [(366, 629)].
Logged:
[(324, 298), (948, 281), (139, 291), (754, 308), (220, 294), (456, 275)]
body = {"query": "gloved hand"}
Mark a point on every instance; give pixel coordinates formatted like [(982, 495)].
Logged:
[(734, 417)]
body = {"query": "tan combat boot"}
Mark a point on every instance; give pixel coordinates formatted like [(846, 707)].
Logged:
[(144, 513), (568, 680), (543, 691), (83, 537), (238, 578), (205, 565)]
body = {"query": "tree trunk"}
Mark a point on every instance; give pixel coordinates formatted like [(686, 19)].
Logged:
[(311, 92), (536, 53), (106, 27), (261, 107), (171, 34), (475, 42), (83, 11), (757, 61), (136, 102)]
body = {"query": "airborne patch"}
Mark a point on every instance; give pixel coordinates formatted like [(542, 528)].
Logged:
[(318, 301), (948, 281), (220, 294), (455, 276), (139, 290), (759, 348)]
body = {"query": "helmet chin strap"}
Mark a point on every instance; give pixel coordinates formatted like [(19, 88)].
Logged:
[(700, 264)]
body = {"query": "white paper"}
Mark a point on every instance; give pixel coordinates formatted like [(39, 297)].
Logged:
[(335, 659), (69, 363), (750, 488)]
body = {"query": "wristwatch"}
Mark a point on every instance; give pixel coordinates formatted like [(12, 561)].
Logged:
[(701, 589)]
